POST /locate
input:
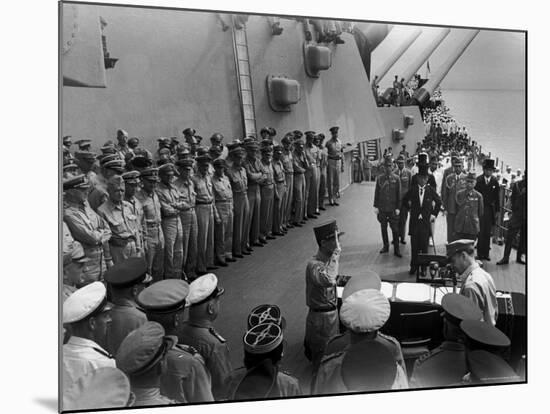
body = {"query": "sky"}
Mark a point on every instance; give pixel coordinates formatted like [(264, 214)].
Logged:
[(494, 59)]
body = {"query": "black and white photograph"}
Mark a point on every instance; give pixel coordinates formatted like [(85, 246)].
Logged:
[(276, 206)]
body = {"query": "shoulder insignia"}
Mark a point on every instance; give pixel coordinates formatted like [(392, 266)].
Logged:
[(187, 348), (216, 335), (102, 352)]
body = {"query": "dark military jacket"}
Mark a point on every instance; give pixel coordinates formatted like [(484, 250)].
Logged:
[(387, 193), (442, 366)]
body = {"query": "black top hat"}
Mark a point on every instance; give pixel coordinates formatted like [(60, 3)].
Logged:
[(488, 164)]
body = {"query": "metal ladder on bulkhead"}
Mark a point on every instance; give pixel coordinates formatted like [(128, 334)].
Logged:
[(373, 151), (242, 65)]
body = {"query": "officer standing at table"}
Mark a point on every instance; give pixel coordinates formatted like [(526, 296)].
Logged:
[(126, 280), (321, 272), (387, 202), (198, 331), (446, 364), (152, 230), (477, 284), (186, 378)]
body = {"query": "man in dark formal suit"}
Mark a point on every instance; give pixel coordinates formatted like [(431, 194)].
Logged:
[(424, 204), (489, 188), (423, 164)]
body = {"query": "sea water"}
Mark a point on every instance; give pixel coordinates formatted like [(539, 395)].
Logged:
[(495, 119)]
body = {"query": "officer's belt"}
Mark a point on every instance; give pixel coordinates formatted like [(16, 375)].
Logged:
[(323, 310), (120, 242), (203, 203), (280, 181), (229, 200), (152, 224)]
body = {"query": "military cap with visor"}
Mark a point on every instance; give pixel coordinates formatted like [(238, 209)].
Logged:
[(78, 181), (150, 174), (365, 310), (165, 296), (129, 272), (143, 348), (203, 289), (484, 334), (327, 231), (458, 308), (131, 177), (86, 302)]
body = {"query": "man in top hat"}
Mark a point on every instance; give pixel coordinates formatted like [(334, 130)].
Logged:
[(487, 368), (261, 376), (423, 164), (223, 228), (470, 207), (489, 188), (171, 207), (311, 175), (186, 188), (477, 284), (86, 317), (86, 226), (131, 186), (300, 166), (142, 356), (252, 166), (241, 210), (153, 236), (424, 204), (111, 165), (186, 378), (207, 215), (446, 364), (198, 331), (335, 154), (321, 272), (267, 190), (105, 387), (452, 183), (125, 280), (387, 204), (124, 224), (288, 166), (518, 222), (363, 313), (405, 177), (280, 191)]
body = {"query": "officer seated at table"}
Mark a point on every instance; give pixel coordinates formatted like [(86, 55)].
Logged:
[(446, 364), (364, 312)]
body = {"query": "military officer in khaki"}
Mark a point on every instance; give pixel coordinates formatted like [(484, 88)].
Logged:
[(335, 154), (123, 222), (446, 364), (387, 203), (288, 165), (469, 210), (126, 280), (152, 230), (131, 186), (321, 272), (142, 356), (223, 228), (184, 184), (198, 331), (241, 210), (186, 378), (280, 191), (87, 227), (451, 185)]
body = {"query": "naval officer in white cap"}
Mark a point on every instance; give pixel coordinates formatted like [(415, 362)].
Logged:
[(198, 331), (363, 312), (86, 318)]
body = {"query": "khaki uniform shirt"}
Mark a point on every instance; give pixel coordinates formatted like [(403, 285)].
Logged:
[(321, 275), (238, 179), (479, 286)]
